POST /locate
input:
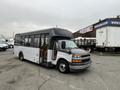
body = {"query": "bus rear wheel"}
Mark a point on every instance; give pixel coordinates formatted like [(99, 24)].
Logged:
[(21, 57), (63, 67)]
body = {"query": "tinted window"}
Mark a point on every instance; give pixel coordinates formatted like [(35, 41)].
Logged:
[(26, 41), (31, 40), (17, 39), (42, 40), (46, 39), (37, 41), (22, 40)]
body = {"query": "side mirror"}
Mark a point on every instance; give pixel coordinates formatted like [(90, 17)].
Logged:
[(63, 44)]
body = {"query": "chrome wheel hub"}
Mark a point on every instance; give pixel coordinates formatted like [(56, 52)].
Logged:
[(62, 67)]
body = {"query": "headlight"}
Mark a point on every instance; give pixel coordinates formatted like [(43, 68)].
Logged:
[(76, 55)]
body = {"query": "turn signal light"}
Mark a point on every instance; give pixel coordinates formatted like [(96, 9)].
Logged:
[(76, 60)]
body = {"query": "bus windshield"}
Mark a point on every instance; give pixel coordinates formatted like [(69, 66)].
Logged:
[(69, 44)]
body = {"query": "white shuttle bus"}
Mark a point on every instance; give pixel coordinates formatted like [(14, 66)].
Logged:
[(51, 47)]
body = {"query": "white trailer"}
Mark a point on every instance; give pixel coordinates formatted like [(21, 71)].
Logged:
[(108, 37)]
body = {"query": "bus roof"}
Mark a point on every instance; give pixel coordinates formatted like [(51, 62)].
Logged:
[(51, 31)]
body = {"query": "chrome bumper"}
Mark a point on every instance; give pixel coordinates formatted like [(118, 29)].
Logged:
[(80, 66)]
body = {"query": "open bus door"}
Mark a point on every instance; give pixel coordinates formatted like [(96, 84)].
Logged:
[(43, 49)]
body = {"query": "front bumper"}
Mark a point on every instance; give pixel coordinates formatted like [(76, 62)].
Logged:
[(79, 66)]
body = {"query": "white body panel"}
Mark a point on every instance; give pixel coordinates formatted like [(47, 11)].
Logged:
[(30, 53), (62, 55), (108, 37), (113, 37), (101, 37), (49, 56)]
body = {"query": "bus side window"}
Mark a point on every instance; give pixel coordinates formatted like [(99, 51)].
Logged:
[(31, 40), (26, 41), (22, 40), (17, 39), (42, 40), (36, 41), (46, 41)]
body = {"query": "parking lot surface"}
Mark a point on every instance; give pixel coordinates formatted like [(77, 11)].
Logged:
[(104, 74)]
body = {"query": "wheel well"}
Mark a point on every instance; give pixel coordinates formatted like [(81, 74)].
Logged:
[(61, 59)]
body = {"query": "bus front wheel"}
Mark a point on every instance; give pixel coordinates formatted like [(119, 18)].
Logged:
[(63, 67), (21, 57)]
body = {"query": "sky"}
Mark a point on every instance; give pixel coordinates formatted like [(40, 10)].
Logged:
[(17, 16)]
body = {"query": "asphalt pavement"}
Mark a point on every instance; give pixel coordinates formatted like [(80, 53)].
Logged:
[(104, 74)]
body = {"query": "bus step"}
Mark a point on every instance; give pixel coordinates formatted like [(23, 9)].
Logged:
[(46, 64)]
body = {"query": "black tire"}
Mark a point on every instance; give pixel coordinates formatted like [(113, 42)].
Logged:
[(63, 66), (21, 57)]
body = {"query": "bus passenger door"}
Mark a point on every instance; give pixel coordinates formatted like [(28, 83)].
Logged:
[(43, 49)]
